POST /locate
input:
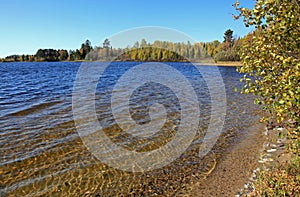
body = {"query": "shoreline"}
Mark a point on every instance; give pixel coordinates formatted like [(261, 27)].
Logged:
[(260, 150), (234, 168), (272, 155), (231, 64)]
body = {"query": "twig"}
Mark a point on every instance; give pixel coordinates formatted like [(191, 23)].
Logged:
[(211, 169)]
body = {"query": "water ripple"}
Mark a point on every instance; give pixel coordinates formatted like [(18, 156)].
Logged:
[(41, 153)]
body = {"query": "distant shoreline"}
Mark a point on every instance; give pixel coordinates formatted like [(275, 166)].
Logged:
[(232, 64)]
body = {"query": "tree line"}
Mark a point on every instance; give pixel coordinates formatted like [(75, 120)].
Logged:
[(228, 50), (51, 55)]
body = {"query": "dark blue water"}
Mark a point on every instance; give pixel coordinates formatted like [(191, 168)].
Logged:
[(41, 152)]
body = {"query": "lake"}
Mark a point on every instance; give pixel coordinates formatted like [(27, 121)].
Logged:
[(42, 153)]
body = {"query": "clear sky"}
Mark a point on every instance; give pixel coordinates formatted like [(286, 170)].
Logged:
[(29, 25)]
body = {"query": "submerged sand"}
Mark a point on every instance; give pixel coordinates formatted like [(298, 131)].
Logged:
[(233, 169)]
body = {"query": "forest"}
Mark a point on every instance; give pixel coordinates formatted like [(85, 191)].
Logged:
[(228, 50)]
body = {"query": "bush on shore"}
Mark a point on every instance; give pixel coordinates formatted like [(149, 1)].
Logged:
[(271, 64)]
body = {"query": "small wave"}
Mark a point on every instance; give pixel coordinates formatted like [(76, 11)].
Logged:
[(34, 109), (37, 149)]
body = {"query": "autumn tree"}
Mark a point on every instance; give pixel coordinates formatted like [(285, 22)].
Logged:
[(271, 57), (228, 39), (85, 49), (106, 46), (229, 49), (47, 55), (143, 43), (62, 55), (136, 44)]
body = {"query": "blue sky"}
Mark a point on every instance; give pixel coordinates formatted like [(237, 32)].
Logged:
[(29, 25)]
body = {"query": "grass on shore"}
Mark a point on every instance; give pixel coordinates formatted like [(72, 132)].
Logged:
[(283, 179)]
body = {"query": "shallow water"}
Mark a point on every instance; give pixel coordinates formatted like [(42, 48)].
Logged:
[(42, 153)]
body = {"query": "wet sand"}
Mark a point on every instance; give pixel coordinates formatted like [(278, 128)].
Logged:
[(233, 169)]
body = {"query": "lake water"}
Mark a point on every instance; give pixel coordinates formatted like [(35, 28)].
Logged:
[(41, 152)]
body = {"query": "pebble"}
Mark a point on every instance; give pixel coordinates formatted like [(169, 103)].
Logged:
[(266, 156), (267, 159), (270, 159), (280, 141), (266, 131), (271, 150)]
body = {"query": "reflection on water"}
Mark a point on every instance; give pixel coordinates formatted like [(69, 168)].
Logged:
[(42, 154)]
